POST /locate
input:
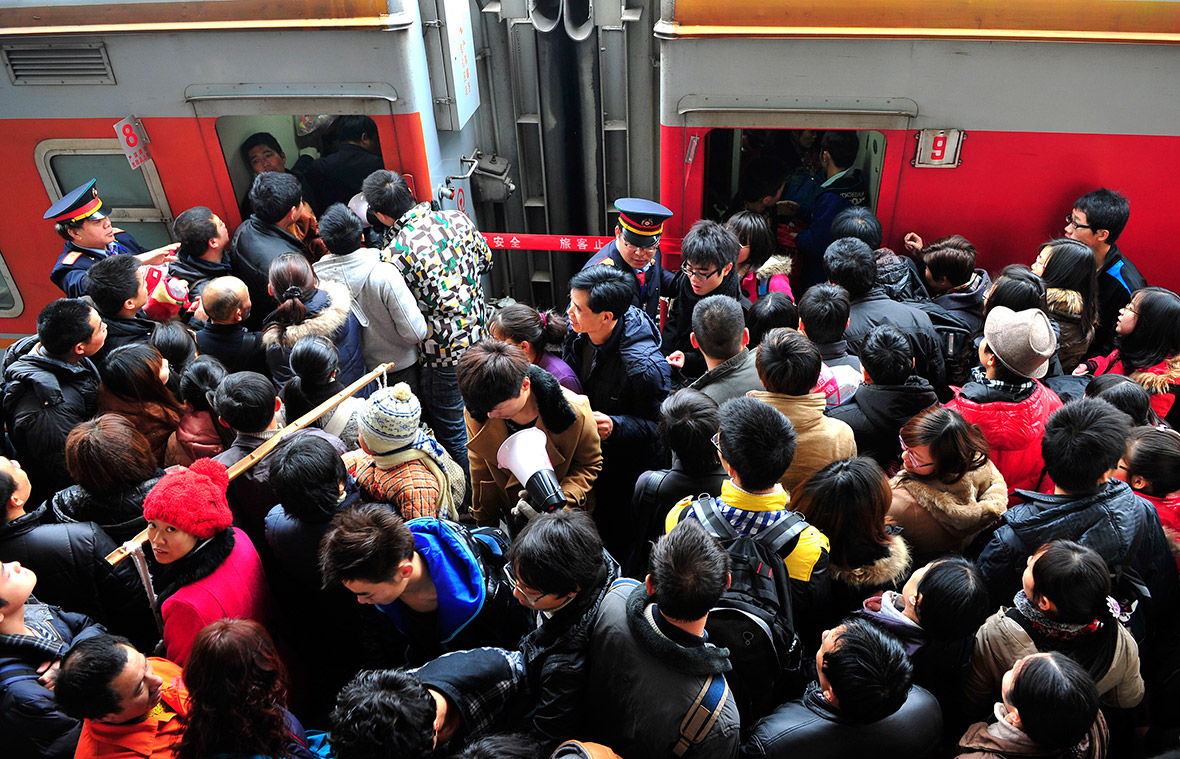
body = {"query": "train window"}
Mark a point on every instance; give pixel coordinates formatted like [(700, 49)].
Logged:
[(11, 303), (232, 131), (755, 156), (134, 198)]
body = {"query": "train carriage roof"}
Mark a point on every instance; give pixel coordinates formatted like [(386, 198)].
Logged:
[(1153, 21)]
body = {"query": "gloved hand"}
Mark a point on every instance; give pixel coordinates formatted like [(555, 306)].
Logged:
[(523, 508)]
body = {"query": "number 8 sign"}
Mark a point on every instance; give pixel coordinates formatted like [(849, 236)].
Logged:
[(132, 140)]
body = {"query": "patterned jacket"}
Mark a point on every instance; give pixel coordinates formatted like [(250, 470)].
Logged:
[(442, 255)]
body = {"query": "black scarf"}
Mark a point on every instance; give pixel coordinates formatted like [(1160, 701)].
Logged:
[(200, 562)]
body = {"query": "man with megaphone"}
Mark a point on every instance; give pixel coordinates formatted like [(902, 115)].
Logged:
[(532, 444)]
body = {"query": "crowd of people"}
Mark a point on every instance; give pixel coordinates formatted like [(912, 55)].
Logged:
[(900, 507)]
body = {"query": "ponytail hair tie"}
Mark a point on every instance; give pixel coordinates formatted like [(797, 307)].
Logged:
[(292, 292), (544, 319)]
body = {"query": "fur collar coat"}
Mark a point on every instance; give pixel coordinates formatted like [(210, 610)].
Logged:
[(939, 518)]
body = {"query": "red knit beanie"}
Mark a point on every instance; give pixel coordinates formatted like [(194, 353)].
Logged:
[(192, 499)]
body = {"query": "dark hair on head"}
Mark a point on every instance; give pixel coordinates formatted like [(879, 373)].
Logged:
[(887, 355), (314, 362), (386, 192), (107, 455), (606, 288), (558, 553), (292, 279), (353, 127), (1056, 699), (63, 228), (842, 145), (772, 310), (788, 363), (1072, 266), (113, 281), (758, 441), (869, 671), (491, 372), (951, 258), (1105, 209), (1156, 335), (175, 343), (132, 372), (237, 691), (194, 229), (954, 597), (83, 688), (847, 501), (1083, 440), (859, 222), (761, 178), (752, 229), (221, 297), (688, 421), (690, 571), (340, 229), (245, 401), (7, 487), (306, 474), (274, 194), (1076, 579), (383, 714), (256, 139), (505, 746), (1019, 289), (719, 324), (849, 262), (1154, 455), (709, 244), (823, 311), (956, 445), (1126, 395), (520, 323), (63, 324), (200, 378), (365, 542)]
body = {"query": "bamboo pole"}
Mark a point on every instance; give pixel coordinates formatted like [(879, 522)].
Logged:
[(122, 552)]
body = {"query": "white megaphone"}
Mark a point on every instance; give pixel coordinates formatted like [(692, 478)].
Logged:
[(524, 454)]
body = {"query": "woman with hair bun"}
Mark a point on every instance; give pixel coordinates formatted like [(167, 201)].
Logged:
[(199, 434), (309, 307), (948, 490), (534, 332), (316, 365), (237, 695)]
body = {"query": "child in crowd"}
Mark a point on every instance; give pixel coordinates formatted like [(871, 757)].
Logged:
[(534, 332), (1127, 396), (771, 311), (1151, 466), (199, 434), (315, 364)]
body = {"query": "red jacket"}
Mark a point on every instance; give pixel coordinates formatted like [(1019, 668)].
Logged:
[(236, 589), (1162, 381), (1168, 507), (1014, 432), (153, 737)]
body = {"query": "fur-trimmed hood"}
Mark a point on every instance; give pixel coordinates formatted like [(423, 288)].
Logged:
[(775, 265), (887, 570), (328, 309), (1161, 377), (964, 505), (1064, 302)]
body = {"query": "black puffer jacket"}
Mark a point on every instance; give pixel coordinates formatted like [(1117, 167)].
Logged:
[(255, 245), (555, 658), (44, 398), (877, 413), (677, 331), (120, 514), (72, 573), (874, 308), (30, 723)]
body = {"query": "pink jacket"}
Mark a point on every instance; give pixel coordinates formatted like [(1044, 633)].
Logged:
[(236, 589)]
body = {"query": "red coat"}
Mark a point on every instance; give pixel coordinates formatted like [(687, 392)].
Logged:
[(236, 589), (1162, 381), (1168, 507), (1014, 432)]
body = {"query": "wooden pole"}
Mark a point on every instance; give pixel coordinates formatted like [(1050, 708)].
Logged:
[(122, 552)]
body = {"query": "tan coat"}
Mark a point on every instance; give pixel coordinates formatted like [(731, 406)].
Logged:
[(576, 454), (1001, 641), (937, 518), (820, 439), (155, 421)]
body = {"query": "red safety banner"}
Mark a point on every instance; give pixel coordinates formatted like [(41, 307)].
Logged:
[(578, 243)]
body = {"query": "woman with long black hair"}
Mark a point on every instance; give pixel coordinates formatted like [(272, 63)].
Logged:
[(1070, 274)]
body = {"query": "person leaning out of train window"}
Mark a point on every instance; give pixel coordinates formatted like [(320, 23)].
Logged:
[(79, 219), (262, 154), (710, 253), (117, 288)]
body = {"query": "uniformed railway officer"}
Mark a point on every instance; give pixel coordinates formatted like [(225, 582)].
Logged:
[(89, 237), (635, 251)]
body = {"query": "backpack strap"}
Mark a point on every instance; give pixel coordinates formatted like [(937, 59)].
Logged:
[(704, 507), (15, 671), (784, 533), (649, 496), (703, 714)]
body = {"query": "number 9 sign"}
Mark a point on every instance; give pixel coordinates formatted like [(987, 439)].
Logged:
[(939, 148)]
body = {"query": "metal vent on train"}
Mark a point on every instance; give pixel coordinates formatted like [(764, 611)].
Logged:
[(78, 63)]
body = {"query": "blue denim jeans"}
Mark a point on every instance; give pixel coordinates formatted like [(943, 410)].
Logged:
[(442, 405)]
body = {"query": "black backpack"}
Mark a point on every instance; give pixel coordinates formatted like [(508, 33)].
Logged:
[(754, 618)]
